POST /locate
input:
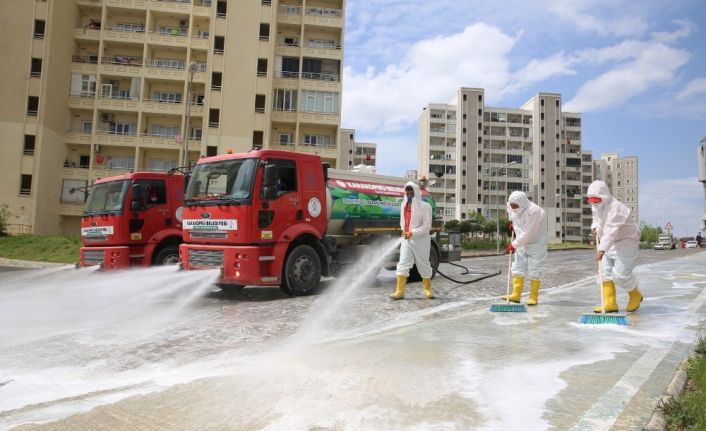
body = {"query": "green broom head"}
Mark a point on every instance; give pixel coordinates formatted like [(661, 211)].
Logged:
[(604, 319), (508, 307)]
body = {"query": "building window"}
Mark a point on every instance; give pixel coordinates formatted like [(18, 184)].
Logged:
[(165, 97), (32, 106), (264, 32), (39, 29), (120, 163), (319, 101), (260, 103), (211, 150), (164, 131), (285, 100), (261, 67), (161, 164), (29, 145), (317, 140), (219, 43), (87, 126), (214, 117), (257, 138), (25, 184), (285, 139), (36, 70), (216, 80), (221, 9)]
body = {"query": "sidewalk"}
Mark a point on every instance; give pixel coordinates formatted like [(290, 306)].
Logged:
[(27, 264)]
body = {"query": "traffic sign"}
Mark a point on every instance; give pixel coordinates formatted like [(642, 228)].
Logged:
[(668, 226)]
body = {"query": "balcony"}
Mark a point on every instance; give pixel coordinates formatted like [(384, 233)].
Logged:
[(290, 15), (123, 36), (106, 137), (114, 103), (67, 209), (83, 33), (166, 142), (82, 100), (323, 17), (170, 37), (121, 66), (319, 118), (284, 116), (328, 52), (132, 4), (163, 107), (77, 137), (174, 6)]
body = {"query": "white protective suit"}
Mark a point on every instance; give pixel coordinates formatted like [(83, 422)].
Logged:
[(617, 235), (416, 250), (530, 224)]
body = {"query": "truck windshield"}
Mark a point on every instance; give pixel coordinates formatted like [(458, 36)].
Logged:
[(106, 198), (223, 180)]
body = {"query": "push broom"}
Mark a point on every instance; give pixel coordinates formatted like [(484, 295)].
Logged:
[(603, 318), (507, 306)]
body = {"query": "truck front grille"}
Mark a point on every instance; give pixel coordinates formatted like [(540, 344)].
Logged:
[(209, 258), (97, 238), (222, 235), (93, 257)]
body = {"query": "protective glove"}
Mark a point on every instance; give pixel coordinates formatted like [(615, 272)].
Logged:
[(407, 235), (510, 227), (510, 248)]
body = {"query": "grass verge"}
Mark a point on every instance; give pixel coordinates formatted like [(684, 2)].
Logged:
[(58, 248), (688, 411)]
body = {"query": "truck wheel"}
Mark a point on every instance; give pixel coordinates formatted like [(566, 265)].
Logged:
[(302, 271), (167, 255), (433, 261)]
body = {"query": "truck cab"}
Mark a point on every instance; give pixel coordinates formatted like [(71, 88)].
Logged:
[(266, 218), (132, 220)]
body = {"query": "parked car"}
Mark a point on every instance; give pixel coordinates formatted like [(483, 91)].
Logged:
[(691, 244)]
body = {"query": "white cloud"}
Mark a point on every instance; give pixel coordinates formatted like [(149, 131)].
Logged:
[(432, 71), (670, 37), (577, 13), (654, 64), (678, 201), (693, 88)]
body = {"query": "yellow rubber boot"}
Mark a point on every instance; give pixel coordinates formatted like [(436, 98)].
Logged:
[(426, 282), (399, 290), (609, 297), (534, 292), (517, 283), (635, 299)]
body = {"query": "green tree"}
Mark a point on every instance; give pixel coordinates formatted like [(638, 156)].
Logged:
[(649, 233), (452, 225), (4, 219), (477, 222), (465, 227), (488, 228)]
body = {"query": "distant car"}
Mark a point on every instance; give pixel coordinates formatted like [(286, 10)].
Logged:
[(662, 246), (691, 244)]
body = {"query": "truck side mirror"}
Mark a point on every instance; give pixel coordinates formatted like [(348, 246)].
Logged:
[(138, 201), (269, 182)]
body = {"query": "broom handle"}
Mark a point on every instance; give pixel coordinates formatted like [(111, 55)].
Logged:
[(600, 279), (509, 270)]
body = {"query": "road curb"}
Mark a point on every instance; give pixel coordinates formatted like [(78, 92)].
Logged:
[(675, 388)]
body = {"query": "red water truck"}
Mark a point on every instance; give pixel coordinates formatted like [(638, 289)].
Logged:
[(279, 218), (133, 220)]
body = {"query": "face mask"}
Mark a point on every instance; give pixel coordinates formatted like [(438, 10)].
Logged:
[(597, 206), (410, 198)]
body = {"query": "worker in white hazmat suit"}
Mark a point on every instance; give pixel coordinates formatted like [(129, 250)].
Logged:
[(530, 245), (618, 243), (415, 222)]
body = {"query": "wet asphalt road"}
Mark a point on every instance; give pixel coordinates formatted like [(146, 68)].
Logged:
[(124, 364)]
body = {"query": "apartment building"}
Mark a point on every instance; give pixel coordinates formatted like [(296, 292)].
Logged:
[(620, 173), (95, 88), (353, 153), (478, 155)]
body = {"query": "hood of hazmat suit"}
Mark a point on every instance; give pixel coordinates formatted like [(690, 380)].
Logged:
[(420, 221), (611, 219), (529, 222)]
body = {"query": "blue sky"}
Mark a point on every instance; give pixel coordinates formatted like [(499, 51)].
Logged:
[(636, 70)]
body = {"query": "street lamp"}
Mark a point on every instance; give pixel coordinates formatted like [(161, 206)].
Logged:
[(497, 212), (193, 67)]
